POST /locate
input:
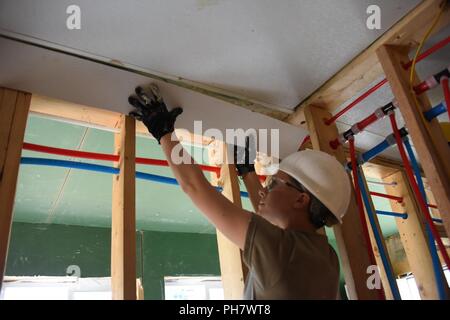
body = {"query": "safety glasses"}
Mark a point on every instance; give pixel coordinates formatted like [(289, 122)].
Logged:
[(273, 181)]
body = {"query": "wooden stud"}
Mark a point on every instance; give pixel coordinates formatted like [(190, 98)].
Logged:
[(232, 268), (376, 250), (427, 137), (123, 243), (14, 106), (398, 256), (349, 236), (413, 236), (434, 212)]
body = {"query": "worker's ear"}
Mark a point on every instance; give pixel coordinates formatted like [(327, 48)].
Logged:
[(302, 201)]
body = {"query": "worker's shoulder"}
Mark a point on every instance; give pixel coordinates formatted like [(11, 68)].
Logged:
[(314, 244), (297, 239)]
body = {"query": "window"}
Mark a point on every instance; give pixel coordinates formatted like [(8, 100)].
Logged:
[(193, 288), (56, 288), (408, 287)]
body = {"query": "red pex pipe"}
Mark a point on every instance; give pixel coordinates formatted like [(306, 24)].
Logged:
[(305, 141), (354, 103), (421, 88), (367, 122), (425, 54), (387, 196), (359, 201), (407, 65), (445, 88), (103, 156), (334, 144), (412, 181)]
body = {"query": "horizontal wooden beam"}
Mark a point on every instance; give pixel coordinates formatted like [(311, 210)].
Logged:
[(365, 68), (102, 119)]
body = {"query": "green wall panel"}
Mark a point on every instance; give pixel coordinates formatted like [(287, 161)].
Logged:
[(47, 250)]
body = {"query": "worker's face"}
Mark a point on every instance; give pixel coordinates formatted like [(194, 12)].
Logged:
[(280, 198)]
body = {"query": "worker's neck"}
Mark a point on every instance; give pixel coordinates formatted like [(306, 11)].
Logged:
[(300, 223)]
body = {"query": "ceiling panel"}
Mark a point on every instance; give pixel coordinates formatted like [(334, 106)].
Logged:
[(276, 52)]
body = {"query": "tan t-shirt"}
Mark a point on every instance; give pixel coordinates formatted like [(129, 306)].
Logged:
[(286, 264)]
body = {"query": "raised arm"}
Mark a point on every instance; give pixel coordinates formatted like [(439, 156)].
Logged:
[(229, 219)]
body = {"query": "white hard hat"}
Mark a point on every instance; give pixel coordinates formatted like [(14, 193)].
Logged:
[(323, 176)]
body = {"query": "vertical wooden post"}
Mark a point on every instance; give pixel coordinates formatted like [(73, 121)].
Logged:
[(232, 268), (427, 137), (413, 236), (123, 242), (349, 235), (14, 106), (376, 250)]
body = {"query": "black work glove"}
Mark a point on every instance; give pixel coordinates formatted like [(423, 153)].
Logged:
[(244, 158), (152, 111)]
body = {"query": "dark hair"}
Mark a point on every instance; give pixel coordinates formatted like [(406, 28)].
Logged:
[(319, 215)]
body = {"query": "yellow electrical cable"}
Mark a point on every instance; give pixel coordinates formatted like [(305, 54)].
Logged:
[(419, 48)]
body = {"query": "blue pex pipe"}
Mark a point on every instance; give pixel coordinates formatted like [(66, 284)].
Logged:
[(383, 254), (103, 169), (392, 214), (372, 153), (435, 112), (433, 251)]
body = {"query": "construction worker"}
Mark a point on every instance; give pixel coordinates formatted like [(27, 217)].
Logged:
[(286, 256)]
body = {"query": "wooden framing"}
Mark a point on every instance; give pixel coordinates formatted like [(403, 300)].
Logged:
[(384, 55), (349, 235), (123, 242), (427, 137), (413, 236), (366, 68), (376, 250), (94, 117), (232, 269), (14, 106)]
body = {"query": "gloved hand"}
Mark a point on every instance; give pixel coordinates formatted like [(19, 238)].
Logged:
[(244, 158), (152, 111)]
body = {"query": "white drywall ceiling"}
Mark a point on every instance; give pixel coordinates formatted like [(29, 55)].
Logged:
[(277, 52), (61, 76)]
